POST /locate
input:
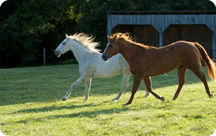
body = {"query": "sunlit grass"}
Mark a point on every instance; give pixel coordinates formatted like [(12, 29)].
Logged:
[(30, 104)]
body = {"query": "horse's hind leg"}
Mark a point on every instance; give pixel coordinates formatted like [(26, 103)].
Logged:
[(147, 92), (147, 81), (76, 83), (181, 75), (87, 88), (126, 77), (197, 71)]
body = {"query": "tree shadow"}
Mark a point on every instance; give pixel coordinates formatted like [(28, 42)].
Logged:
[(49, 89)]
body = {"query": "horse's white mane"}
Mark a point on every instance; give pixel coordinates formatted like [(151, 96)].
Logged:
[(86, 41)]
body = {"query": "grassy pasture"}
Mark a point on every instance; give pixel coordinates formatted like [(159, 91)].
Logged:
[(30, 105)]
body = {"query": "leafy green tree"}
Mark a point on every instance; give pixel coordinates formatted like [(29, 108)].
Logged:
[(93, 16), (28, 26), (33, 26)]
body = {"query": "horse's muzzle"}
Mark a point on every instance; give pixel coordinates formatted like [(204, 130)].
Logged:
[(56, 53), (105, 57)]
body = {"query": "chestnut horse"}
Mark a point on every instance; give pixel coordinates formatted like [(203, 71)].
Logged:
[(146, 61)]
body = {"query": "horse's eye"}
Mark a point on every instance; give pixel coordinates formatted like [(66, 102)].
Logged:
[(110, 45), (63, 43)]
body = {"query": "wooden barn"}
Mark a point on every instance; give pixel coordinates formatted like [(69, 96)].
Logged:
[(163, 28)]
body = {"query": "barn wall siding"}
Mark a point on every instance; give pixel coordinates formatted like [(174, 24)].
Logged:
[(161, 23)]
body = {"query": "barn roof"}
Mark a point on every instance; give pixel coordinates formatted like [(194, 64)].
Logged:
[(161, 20), (196, 12)]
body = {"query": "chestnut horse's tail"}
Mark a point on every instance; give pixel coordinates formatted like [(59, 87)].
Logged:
[(207, 60)]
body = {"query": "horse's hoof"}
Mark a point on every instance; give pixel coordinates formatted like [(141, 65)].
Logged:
[(211, 96), (147, 95), (115, 99), (162, 99), (85, 100), (64, 99), (173, 99), (126, 104)]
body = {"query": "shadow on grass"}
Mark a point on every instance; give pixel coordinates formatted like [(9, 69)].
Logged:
[(51, 108), (49, 92), (87, 114)]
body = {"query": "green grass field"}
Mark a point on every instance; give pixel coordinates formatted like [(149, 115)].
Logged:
[(30, 105)]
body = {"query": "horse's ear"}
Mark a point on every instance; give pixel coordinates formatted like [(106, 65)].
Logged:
[(66, 36), (108, 36)]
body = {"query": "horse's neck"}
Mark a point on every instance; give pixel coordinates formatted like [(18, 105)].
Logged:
[(81, 53), (126, 51)]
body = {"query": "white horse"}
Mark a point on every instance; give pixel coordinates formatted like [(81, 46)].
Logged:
[(91, 65)]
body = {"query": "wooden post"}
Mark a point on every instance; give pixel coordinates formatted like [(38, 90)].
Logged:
[(44, 57), (0, 60), (160, 39)]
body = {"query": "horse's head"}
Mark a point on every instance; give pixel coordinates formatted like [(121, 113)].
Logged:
[(63, 47), (111, 49)]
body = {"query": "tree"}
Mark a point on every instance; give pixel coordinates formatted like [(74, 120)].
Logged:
[(27, 26), (33, 26)]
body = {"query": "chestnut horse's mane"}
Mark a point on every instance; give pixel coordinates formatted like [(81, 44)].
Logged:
[(125, 36), (128, 38)]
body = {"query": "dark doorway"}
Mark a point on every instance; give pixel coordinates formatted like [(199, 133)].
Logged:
[(145, 34), (194, 33)]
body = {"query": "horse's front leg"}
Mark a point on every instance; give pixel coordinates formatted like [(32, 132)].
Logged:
[(126, 77), (136, 83), (87, 88), (76, 83)]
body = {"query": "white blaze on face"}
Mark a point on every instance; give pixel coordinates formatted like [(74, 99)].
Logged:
[(1, 1), (106, 46)]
